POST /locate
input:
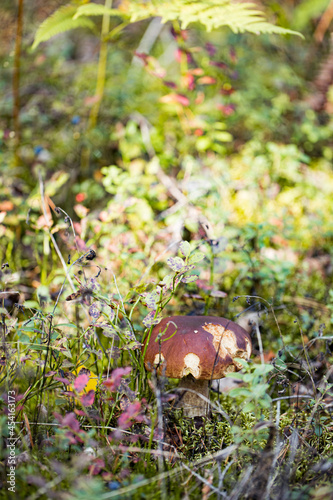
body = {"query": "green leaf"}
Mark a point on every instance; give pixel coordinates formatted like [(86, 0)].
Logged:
[(185, 248), (259, 390), (196, 257), (176, 263), (68, 325), (318, 430), (59, 22), (167, 281), (240, 391), (31, 303), (249, 407), (242, 362), (190, 279), (67, 353), (151, 299), (31, 329), (265, 402), (132, 345), (238, 376), (93, 9), (140, 288), (263, 369), (24, 339), (152, 319), (213, 14)]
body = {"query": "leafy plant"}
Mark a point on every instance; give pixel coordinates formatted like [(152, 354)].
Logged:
[(253, 395), (213, 14)]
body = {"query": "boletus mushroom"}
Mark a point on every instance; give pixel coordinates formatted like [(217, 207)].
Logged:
[(196, 349)]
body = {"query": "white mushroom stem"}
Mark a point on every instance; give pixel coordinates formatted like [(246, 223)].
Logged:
[(191, 402)]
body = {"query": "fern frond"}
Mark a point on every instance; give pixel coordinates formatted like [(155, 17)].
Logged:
[(60, 21), (213, 14), (94, 9), (239, 17)]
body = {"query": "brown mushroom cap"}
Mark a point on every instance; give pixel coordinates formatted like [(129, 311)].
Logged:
[(204, 346)]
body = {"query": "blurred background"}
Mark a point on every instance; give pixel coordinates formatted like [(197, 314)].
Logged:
[(220, 138)]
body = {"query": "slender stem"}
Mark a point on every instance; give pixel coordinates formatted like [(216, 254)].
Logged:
[(16, 75), (101, 71), (41, 188)]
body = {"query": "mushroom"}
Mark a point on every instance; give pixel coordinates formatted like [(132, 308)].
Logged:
[(196, 349)]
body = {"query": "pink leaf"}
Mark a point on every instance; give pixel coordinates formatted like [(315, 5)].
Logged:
[(63, 380), (69, 420), (81, 381), (97, 466), (130, 415), (175, 98), (114, 381), (206, 80), (88, 399)]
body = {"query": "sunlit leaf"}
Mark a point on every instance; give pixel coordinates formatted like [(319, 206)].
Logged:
[(176, 263), (196, 257), (151, 319), (185, 248)]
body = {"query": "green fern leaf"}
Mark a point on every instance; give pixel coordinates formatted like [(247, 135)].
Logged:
[(213, 14), (239, 17), (60, 21), (93, 9)]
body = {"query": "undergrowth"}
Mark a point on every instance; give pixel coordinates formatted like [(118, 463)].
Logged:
[(89, 420)]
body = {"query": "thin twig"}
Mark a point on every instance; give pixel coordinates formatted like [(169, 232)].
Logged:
[(238, 490), (222, 476), (293, 397), (278, 447)]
